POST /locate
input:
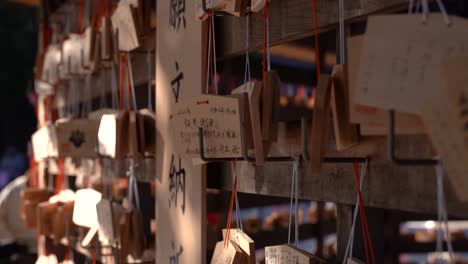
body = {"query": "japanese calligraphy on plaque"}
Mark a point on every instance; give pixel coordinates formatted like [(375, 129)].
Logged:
[(286, 254), (219, 118)]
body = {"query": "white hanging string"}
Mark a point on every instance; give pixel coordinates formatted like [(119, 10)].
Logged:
[(208, 57), (342, 32), (132, 85), (238, 218), (115, 96), (442, 216), (150, 85), (295, 198), (133, 194), (247, 75), (425, 10), (350, 244), (214, 54)]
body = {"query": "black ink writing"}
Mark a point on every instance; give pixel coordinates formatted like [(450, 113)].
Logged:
[(177, 14), (175, 83), (176, 184), (174, 258)]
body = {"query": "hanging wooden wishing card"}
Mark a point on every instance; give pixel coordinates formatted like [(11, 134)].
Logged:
[(125, 23), (89, 50), (373, 120), (253, 90), (346, 134), (71, 56), (270, 113), (218, 116), (147, 132), (244, 242), (106, 39), (77, 138), (288, 254), (226, 254), (417, 51), (109, 214), (257, 5), (30, 198), (320, 125), (113, 135), (446, 121), (45, 213), (52, 60), (44, 142), (84, 212)]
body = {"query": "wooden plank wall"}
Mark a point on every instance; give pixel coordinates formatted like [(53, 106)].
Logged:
[(293, 19), (386, 185)]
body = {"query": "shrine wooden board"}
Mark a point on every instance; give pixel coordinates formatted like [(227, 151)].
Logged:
[(78, 138), (245, 243), (373, 120), (346, 134), (253, 89), (219, 116), (180, 186), (402, 59)]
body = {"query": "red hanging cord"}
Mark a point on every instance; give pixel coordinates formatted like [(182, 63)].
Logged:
[(231, 208), (127, 81), (368, 244), (121, 106), (60, 176), (207, 49), (316, 34), (79, 24)]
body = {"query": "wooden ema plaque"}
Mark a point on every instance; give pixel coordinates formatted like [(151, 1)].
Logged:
[(244, 242), (446, 121), (253, 89), (373, 120), (44, 142), (286, 254), (77, 138), (124, 22), (403, 58), (320, 124), (346, 134), (229, 254), (219, 116), (52, 59), (271, 93), (113, 135), (180, 185)]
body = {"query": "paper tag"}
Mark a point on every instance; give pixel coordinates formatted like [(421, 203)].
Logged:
[(245, 243), (402, 59), (285, 254), (218, 116), (226, 255), (124, 22), (253, 89)]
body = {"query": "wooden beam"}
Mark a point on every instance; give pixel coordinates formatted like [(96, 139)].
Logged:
[(386, 185), (292, 20)]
